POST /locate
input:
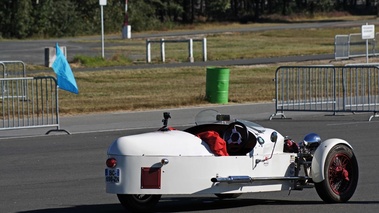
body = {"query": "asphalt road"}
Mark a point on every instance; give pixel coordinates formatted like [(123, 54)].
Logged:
[(64, 173)]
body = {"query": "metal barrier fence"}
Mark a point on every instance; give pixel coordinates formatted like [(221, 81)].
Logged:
[(357, 47), (352, 45), (29, 102), (12, 69), (341, 47), (326, 89), (163, 49)]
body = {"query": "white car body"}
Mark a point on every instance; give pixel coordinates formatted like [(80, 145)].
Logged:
[(169, 162), (191, 165)]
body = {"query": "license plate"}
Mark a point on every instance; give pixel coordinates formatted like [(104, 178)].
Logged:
[(112, 175)]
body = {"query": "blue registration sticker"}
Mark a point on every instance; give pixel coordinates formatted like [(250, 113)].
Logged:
[(112, 175)]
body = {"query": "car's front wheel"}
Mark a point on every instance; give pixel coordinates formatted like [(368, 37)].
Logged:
[(341, 175), (138, 203)]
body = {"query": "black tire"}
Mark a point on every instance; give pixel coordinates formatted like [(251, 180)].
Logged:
[(138, 203), (226, 196), (341, 175)]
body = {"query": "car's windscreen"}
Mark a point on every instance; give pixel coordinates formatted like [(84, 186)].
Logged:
[(208, 116), (253, 125)]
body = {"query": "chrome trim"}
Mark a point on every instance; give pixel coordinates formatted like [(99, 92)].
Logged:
[(247, 179)]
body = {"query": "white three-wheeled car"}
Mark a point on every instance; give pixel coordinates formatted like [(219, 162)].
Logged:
[(225, 158)]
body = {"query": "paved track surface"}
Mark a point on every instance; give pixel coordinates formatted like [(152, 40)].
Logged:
[(64, 173)]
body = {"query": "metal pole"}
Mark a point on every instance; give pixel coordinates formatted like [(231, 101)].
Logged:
[(148, 49), (205, 49), (126, 18), (190, 50), (102, 31), (366, 50), (163, 54)]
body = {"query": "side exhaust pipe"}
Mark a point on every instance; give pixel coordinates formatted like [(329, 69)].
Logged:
[(247, 179), (232, 179)]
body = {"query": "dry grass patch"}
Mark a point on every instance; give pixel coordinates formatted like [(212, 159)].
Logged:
[(128, 90)]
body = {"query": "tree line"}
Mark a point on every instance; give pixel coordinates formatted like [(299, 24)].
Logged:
[(58, 18)]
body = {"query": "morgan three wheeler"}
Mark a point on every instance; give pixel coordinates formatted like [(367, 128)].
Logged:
[(225, 158)]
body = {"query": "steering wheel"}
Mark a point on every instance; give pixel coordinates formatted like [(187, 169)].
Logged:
[(236, 137)]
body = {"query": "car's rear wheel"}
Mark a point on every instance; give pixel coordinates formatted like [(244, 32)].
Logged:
[(341, 175), (138, 203), (226, 196)]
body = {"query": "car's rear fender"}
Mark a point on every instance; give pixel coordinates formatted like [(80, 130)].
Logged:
[(318, 161)]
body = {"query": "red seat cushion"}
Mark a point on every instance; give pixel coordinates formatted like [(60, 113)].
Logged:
[(215, 142)]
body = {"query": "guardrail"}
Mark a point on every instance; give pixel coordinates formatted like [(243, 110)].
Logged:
[(29, 102), (326, 89), (163, 49)]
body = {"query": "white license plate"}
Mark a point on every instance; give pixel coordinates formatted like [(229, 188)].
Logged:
[(112, 175)]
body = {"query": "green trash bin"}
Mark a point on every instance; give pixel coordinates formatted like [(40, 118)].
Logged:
[(217, 85)]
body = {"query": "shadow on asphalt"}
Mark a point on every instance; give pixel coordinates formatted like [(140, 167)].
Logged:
[(184, 204)]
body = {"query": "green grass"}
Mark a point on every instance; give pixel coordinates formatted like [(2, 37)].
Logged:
[(128, 90), (226, 46)]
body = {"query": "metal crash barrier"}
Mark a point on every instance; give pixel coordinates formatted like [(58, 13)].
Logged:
[(12, 69), (163, 51), (29, 102), (326, 89), (352, 45)]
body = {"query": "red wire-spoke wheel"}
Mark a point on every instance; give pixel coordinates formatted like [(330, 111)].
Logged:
[(339, 169), (341, 175)]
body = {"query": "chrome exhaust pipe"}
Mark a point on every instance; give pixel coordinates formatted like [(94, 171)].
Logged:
[(247, 179), (232, 179)]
